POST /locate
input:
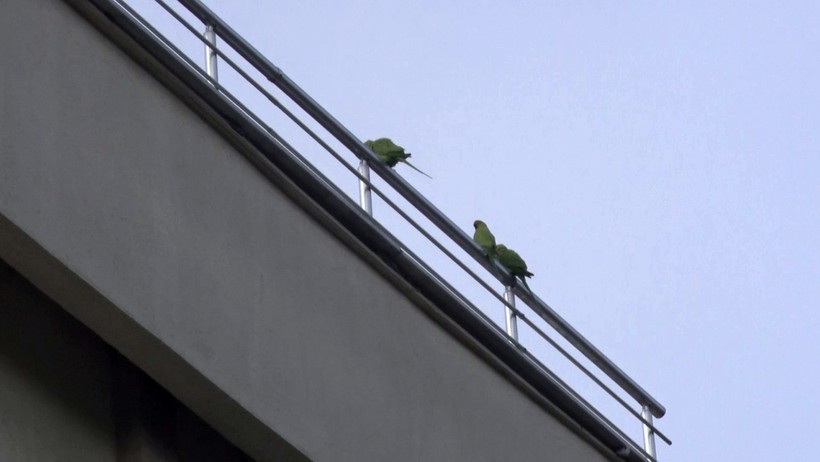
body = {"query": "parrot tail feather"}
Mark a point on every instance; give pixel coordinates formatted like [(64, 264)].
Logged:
[(416, 169)]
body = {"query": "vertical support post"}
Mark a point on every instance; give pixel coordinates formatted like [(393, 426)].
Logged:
[(509, 314), (210, 52), (364, 189), (648, 434)]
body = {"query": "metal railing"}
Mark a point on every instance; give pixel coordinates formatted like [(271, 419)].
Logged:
[(213, 28)]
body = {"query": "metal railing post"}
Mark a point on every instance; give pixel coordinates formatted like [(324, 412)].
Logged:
[(648, 434), (364, 189), (210, 52), (509, 314)]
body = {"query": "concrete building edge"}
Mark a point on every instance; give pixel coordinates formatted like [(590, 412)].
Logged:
[(160, 362), (86, 304), (379, 259)]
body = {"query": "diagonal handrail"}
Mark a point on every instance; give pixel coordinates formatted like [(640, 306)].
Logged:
[(432, 213), (645, 417)]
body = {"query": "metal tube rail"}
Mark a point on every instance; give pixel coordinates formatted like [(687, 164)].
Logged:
[(335, 128), (365, 184), (262, 125)]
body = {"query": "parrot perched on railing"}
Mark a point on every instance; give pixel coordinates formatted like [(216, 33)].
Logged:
[(484, 238), (390, 153), (514, 263)]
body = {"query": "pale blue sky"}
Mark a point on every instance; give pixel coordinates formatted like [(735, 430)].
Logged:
[(656, 164)]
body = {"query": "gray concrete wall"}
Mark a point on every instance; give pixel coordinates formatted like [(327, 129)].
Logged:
[(55, 382), (122, 204), (66, 396)]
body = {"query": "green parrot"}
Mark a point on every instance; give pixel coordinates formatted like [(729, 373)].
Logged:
[(484, 238), (391, 153), (514, 263)]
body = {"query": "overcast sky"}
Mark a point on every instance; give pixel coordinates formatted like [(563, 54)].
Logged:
[(657, 165)]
